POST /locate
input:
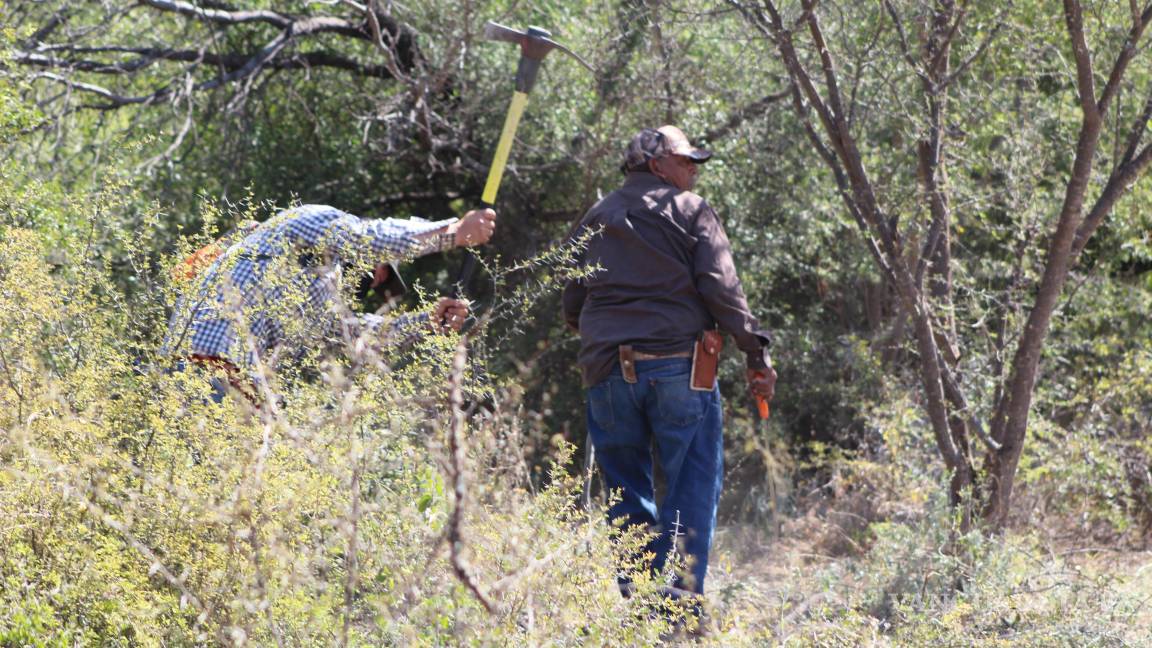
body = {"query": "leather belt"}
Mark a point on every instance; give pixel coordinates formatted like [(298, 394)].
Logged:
[(215, 362), (629, 357), (236, 378), (640, 355)]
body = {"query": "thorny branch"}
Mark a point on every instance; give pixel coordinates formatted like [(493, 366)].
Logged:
[(457, 459)]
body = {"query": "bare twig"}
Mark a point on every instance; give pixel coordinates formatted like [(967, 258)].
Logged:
[(180, 135), (980, 49), (905, 48), (960, 406), (745, 113)]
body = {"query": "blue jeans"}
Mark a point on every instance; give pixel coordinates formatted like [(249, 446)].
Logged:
[(686, 425)]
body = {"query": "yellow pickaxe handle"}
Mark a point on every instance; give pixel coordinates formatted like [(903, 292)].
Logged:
[(500, 160)]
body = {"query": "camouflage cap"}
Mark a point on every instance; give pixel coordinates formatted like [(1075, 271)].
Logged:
[(655, 143)]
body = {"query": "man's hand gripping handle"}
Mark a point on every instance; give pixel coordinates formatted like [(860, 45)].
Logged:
[(762, 384)]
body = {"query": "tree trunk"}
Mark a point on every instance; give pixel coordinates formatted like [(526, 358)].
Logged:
[(930, 310)]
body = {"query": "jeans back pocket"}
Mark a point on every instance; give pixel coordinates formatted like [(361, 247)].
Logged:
[(600, 405), (677, 403)]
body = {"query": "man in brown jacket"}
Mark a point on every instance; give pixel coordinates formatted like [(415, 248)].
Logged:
[(647, 322)]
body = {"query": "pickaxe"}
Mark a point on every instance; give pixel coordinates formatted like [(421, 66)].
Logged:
[(535, 44)]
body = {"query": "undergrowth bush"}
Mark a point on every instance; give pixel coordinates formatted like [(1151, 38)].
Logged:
[(363, 510), (359, 510), (1088, 471), (924, 584), (877, 556)]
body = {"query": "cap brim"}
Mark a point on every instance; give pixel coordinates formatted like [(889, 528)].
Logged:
[(699, 155)]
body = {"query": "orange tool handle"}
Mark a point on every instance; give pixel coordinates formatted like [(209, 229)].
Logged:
[(761, 402), (762, 407)]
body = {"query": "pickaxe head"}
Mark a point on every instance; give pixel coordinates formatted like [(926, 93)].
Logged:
[(535, 44)]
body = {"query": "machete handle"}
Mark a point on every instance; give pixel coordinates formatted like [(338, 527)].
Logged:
[(762, 407)]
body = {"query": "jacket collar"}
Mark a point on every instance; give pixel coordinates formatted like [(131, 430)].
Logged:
[(644, 180)]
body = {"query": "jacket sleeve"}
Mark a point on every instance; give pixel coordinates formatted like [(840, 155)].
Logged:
[(719, 287), (574, 295)]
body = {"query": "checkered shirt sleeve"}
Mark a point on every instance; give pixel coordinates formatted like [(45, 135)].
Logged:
[(400, 331), (202, 327), (347, 236)]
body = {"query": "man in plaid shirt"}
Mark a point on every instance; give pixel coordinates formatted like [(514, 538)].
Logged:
[(275, 293)]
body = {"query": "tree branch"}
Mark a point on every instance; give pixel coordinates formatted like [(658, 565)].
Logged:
[(1138, 129), (905, 49), (863, 201), (980, 49), (747, 112), (53, 23), (772, 28), (960, 406), (843, 186), (229, 67), (1127, 53), (831, 84), (116, 100), (228, 62), (220, 16), (1118, 184), (1085, 80), (956, 18)]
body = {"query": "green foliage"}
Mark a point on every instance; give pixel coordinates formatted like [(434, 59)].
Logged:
[(886, 563), (923, 584), (137, 511), (16, 114), (133, 512)]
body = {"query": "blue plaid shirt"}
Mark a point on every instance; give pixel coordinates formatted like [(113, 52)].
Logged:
[(281, 282)]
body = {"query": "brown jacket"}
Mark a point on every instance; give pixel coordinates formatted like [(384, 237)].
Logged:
[(666, 275)]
